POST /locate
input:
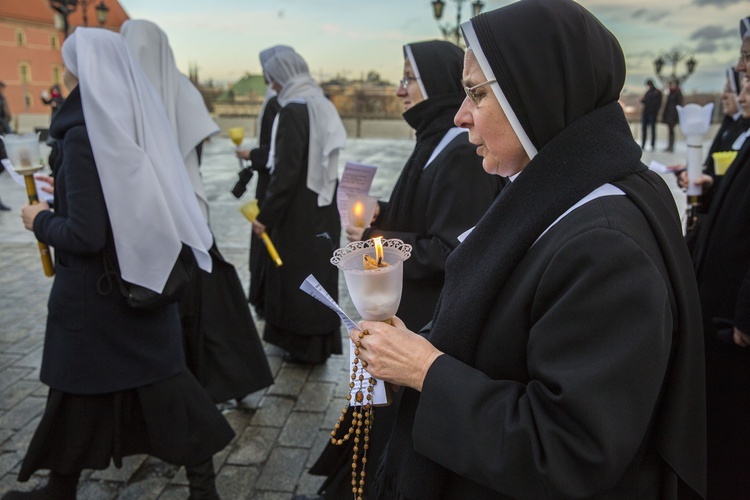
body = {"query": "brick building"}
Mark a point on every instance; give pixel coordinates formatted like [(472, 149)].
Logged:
[(30, 58)]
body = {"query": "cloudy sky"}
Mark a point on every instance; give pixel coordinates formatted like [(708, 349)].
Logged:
[(352, 37)]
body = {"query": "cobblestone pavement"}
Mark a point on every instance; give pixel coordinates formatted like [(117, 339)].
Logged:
[(280, 430)]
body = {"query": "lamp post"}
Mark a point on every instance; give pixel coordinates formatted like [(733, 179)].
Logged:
[(453, 33), (66, 7), (673, 58)]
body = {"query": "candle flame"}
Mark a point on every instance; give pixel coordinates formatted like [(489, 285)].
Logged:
[(378, 249), (357, 210)]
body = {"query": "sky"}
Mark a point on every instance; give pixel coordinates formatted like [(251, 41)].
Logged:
[(352, 37)]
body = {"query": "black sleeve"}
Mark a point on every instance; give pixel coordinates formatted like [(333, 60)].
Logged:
[(292, 142), (84, 229)]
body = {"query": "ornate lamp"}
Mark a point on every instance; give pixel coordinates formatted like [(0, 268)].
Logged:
[(101, 12), (437, 7), (453, 32), (477, 6)]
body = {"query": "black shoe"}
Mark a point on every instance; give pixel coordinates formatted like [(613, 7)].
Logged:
[(202, 481), (4, 207)]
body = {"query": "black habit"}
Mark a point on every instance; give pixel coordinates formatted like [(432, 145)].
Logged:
[(722, 262), (573, 361), (259, 257), (117, 376), (305, 236)]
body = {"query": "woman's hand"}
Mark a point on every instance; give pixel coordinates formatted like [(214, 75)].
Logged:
[(393, 353), (29, 213), (258, 228), (243, 154), (706, 181), (354, 233), (741, 338), (49, 180)]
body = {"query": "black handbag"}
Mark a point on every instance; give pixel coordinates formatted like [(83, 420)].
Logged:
[(140, 297)]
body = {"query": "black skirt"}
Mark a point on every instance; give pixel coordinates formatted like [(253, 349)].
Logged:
[(222, 346), (173, 420), (313, 349)]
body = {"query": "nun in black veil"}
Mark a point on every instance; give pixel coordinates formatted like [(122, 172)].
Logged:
[(565, 356), (441, 193)]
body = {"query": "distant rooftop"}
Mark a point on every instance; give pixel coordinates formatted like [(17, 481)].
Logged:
[(249, 86)]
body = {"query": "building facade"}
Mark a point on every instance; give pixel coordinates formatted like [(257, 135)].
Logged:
[(31, 62)]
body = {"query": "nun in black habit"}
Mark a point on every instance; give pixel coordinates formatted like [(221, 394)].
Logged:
[(118, 383), (565, 357), (300, 213), (258, 158), (222, 345), (722, 265), (441, 193), (442, 190)]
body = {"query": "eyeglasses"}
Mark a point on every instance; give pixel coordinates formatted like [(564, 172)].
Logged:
[(406, 80), (471, 92)]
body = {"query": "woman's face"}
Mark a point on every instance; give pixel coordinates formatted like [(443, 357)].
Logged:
[(69, 80), (409, 91), (488, 126), (728, 101), (745, 97)]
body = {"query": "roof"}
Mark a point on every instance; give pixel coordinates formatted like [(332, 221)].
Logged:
[(245, 86), (39, 11)]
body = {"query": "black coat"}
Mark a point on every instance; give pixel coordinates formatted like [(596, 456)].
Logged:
[(304, 234), (95, 343), (722, 260), (259, 258)]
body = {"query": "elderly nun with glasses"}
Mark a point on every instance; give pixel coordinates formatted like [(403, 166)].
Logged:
[(565, 356)]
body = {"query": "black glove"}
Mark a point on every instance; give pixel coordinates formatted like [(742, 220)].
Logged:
[(241, 186)]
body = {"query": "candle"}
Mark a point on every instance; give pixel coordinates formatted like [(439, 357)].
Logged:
[(357, 210)]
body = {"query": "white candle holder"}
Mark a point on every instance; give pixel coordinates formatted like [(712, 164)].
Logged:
[(376, 293)]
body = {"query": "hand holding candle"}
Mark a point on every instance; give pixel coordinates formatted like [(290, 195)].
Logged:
[(250, 210), (237, 135), (23, 153)]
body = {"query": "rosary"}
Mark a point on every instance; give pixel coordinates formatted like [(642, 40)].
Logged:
[(362, 419)]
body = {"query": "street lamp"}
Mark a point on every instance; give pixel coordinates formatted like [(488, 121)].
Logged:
[(454, 31), (672, 59), (66, 7)]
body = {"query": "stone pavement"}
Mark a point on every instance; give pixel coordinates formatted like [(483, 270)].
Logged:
[(280, 431)]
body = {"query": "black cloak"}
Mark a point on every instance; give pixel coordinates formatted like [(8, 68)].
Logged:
[(563, 84)]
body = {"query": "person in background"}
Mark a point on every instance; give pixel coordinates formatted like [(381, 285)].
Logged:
[(222, 345), (565, 356), (300, 213), (669, 116), (721, 256), (118, 384), (5, 117), (730, 137), (651, 105), (54, 99), (258, 159)]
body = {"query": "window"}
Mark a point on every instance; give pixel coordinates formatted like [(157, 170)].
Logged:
[(53, 41), (56, 74), (28, 100), (24, 70), (20, 38)]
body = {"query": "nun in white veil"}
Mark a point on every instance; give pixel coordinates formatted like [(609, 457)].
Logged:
[(258, 158), (222, 346), (118, 384), (300, 212), (184, 105)]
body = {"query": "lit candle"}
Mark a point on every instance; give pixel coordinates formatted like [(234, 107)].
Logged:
[(357, 211), (379, 250)]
